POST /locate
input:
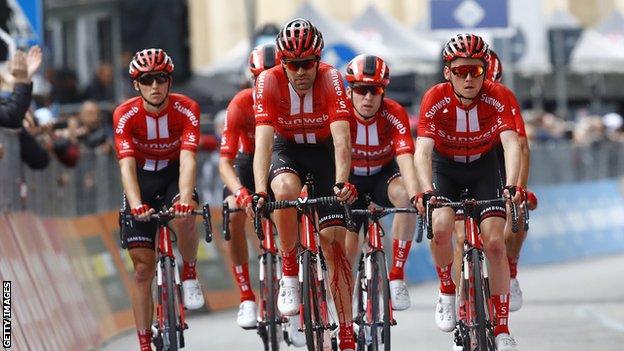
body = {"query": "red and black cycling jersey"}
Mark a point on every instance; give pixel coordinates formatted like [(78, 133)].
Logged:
[(156, 140), (376, 141), (464, 133), (240, 128), (516, 112), (302, 119)]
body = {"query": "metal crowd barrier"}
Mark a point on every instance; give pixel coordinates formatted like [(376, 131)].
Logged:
[(94, 185)]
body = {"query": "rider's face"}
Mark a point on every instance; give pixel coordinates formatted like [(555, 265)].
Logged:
[(366, 99), (154, 86), (301, 72), (469, 85)]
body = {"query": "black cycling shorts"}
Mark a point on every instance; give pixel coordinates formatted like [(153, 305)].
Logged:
[(482, 178), (317, 161), (158, 188), (243, 165), (376, 186)]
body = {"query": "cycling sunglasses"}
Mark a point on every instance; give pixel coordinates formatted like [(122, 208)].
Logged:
[(364, 89), (148, 79), (305, 64), (463, 71)]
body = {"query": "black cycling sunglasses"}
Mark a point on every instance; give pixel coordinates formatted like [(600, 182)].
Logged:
[(148, 79), (365, 89), (305, 64)]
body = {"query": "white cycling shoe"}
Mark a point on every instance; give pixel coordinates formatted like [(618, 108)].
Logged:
[(288, 299), (296, 337), (247, 314), (505, 342), (192, 293), (515, 295), (445, 312), (399, 295)]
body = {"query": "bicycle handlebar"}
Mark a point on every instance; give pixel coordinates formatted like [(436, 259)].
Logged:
[(301, 205), (376, 213), (163, 217), (462, 205)]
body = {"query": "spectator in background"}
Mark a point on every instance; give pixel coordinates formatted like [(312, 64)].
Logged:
[(32, 145), (101, 86), (65, 87), (89, 130), (21, 68)]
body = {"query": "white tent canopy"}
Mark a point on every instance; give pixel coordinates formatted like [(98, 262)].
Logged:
[(406, 50), (601, 49)]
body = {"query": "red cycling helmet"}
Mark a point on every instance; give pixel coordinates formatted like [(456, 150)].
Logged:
[(262, 57), (466, 46), (368, 69), (299, 38), (150, 60), (494, 68)]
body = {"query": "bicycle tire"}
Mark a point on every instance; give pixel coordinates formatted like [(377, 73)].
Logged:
[(380, 288), (271, 315), (359, 295), (170, 332), (480, 303), (311, 315)]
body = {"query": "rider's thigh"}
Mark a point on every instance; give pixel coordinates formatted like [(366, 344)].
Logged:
[(144, 261), (286, 186)]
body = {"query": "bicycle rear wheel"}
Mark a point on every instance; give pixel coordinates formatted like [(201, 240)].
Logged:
[(170, 332), (379, 294), (483, 330), (312, 321)]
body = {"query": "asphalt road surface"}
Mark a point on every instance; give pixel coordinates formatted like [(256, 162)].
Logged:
[(573, 307)]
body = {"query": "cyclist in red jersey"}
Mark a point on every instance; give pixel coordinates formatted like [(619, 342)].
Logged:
[(514, 241), (382, 161), (156, 137), (461, 122), (302, 103)]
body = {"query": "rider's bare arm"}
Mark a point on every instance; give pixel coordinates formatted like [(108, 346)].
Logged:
[(509, 139), (424, 151), (188, 169), (228, 174), (408, 173), (525, 157), (262, 157), (129, 181), (342, 149)]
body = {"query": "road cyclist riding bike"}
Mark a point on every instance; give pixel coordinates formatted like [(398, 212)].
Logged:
[(170, 317), (156, 136), (514, 241), (460, 123), (318, 322), (382, 161), (236, 170), (302, 103)]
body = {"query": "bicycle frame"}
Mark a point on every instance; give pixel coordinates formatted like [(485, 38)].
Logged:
[(309, 238), (165, 249)]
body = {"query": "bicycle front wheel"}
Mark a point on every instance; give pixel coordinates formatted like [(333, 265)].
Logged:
[(271, 319), (170, 332), (312, 322), (483, 330), (379, 294)]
